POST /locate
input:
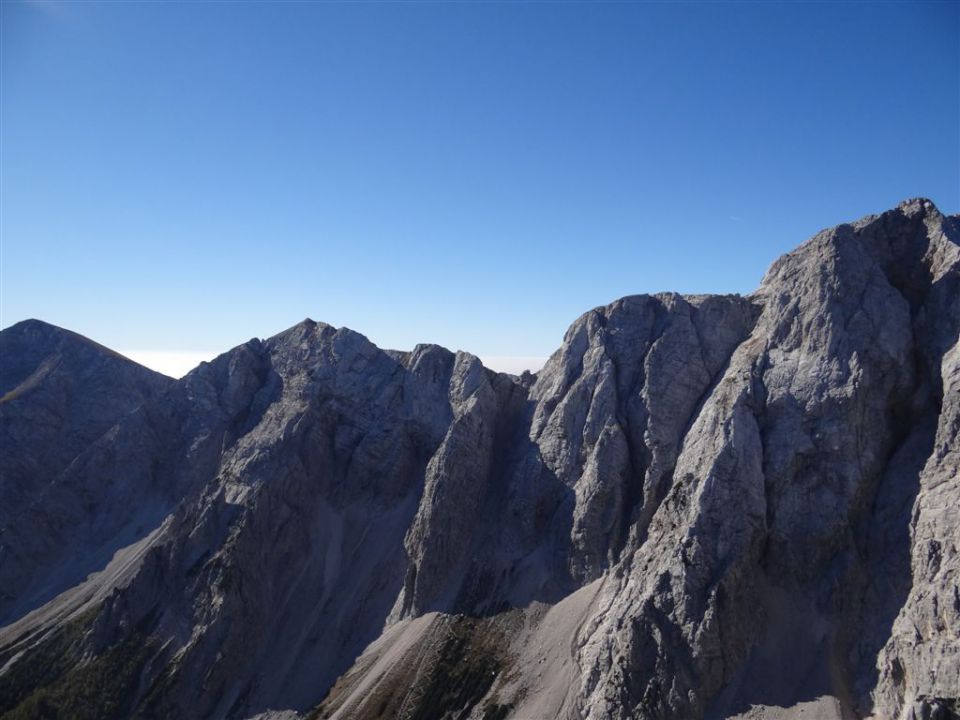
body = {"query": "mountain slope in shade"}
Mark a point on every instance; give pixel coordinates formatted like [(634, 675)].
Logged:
[(59, 392), (702, 506)]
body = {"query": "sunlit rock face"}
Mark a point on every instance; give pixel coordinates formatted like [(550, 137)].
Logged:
[(701, 507)]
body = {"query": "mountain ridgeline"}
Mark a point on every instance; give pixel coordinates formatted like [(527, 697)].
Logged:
[(701, 507)]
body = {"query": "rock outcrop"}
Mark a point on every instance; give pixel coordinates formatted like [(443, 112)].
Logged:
[(701, 507)]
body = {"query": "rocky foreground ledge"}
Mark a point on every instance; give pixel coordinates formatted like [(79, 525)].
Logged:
[(701, 507)]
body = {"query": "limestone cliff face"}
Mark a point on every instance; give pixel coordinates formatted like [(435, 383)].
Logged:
[(824, 412), (702, 506)]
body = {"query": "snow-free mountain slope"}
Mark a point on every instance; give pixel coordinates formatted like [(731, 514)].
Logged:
[(701, 507), (59, 392)]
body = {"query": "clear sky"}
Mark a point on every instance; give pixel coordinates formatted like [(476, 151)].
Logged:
[(178, 178)]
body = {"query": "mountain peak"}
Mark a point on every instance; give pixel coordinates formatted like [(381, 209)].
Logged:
[(698, 500), (917, 204)]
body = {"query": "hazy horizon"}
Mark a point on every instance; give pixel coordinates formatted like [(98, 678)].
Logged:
[(176, 179)]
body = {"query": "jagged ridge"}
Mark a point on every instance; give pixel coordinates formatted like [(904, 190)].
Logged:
[(699, 505)]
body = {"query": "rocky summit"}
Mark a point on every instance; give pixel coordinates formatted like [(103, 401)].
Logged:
[(701, 507)]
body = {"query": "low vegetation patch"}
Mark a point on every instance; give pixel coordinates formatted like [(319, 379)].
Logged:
[(54, 681)]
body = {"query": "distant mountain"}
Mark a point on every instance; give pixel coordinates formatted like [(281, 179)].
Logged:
[(701, 507)]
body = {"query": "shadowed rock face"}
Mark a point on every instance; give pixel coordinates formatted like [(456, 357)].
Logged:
[(59, 393), (702, 506)]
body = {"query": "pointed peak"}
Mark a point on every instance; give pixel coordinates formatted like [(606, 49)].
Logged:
[(912, 206), (42, 336), (305, 327), (33, 346), (33, 325)]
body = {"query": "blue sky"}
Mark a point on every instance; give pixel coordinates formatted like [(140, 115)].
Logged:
[(182, 177)]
